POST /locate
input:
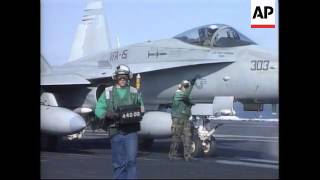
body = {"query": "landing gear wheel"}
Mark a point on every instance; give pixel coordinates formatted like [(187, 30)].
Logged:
[(49, 142), (146, 144), (210, 147), (196, 147)]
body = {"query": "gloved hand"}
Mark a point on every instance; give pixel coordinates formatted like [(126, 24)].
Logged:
[(190, 104), (95, 123), (192, 81), (112, 115)]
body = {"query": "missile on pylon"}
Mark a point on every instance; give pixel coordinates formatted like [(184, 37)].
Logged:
[(60, 121)]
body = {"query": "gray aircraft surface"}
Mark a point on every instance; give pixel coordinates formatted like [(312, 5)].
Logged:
[(230, 67)]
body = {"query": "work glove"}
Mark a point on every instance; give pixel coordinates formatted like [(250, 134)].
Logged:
[(190, 104), (192, 81), (95, 123), (187, 101), (110, 118), (112, 115)]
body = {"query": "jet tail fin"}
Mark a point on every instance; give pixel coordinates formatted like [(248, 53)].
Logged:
[(118, 42), (45, 66), (92, 35)]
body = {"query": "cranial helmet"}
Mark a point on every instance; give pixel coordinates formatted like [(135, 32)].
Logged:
[(184, 83), (122, 70)]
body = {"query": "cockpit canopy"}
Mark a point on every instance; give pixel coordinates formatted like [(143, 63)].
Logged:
[(214, 35)]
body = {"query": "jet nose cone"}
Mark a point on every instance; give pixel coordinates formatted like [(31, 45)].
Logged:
[(77, 123)]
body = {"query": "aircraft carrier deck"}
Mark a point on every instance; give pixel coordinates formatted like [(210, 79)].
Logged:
[(245, 149)]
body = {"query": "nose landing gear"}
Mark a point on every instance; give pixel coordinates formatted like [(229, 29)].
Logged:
[(203, 140)]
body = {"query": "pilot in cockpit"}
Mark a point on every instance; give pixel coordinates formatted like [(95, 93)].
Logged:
[(206, 33)]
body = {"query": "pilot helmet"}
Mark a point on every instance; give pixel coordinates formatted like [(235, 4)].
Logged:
[(122, 70), (211, 29)]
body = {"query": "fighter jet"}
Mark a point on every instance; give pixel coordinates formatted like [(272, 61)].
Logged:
[(229, 66)]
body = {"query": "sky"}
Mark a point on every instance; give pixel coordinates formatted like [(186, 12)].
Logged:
[(142, 20)]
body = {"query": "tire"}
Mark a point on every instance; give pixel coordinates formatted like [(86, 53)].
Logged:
[(196, 147), (146, 144), (211, 148), (49, 142)]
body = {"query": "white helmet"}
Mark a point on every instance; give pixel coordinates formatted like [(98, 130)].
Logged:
[(213, 26), (122, 70), (185, 84)]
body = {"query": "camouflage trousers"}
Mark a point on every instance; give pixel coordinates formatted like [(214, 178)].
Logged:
[(181, 132)]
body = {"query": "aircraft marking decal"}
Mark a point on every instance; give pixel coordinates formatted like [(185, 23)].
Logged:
[(116, 55), (200, 82), (260, 65), (156, 54)]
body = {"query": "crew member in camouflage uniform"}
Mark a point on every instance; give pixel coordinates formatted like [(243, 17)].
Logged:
[(181, 126), (124, 139)]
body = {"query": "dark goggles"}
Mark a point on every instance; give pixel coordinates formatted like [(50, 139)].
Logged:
[(122, 77), (186, 85)]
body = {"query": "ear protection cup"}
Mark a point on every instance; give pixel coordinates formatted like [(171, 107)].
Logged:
[(130, 75)]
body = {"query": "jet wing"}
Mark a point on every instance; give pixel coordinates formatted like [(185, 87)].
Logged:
[(63, 79), (84, 75), (75, 72), (157, 66), (151, 66)]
